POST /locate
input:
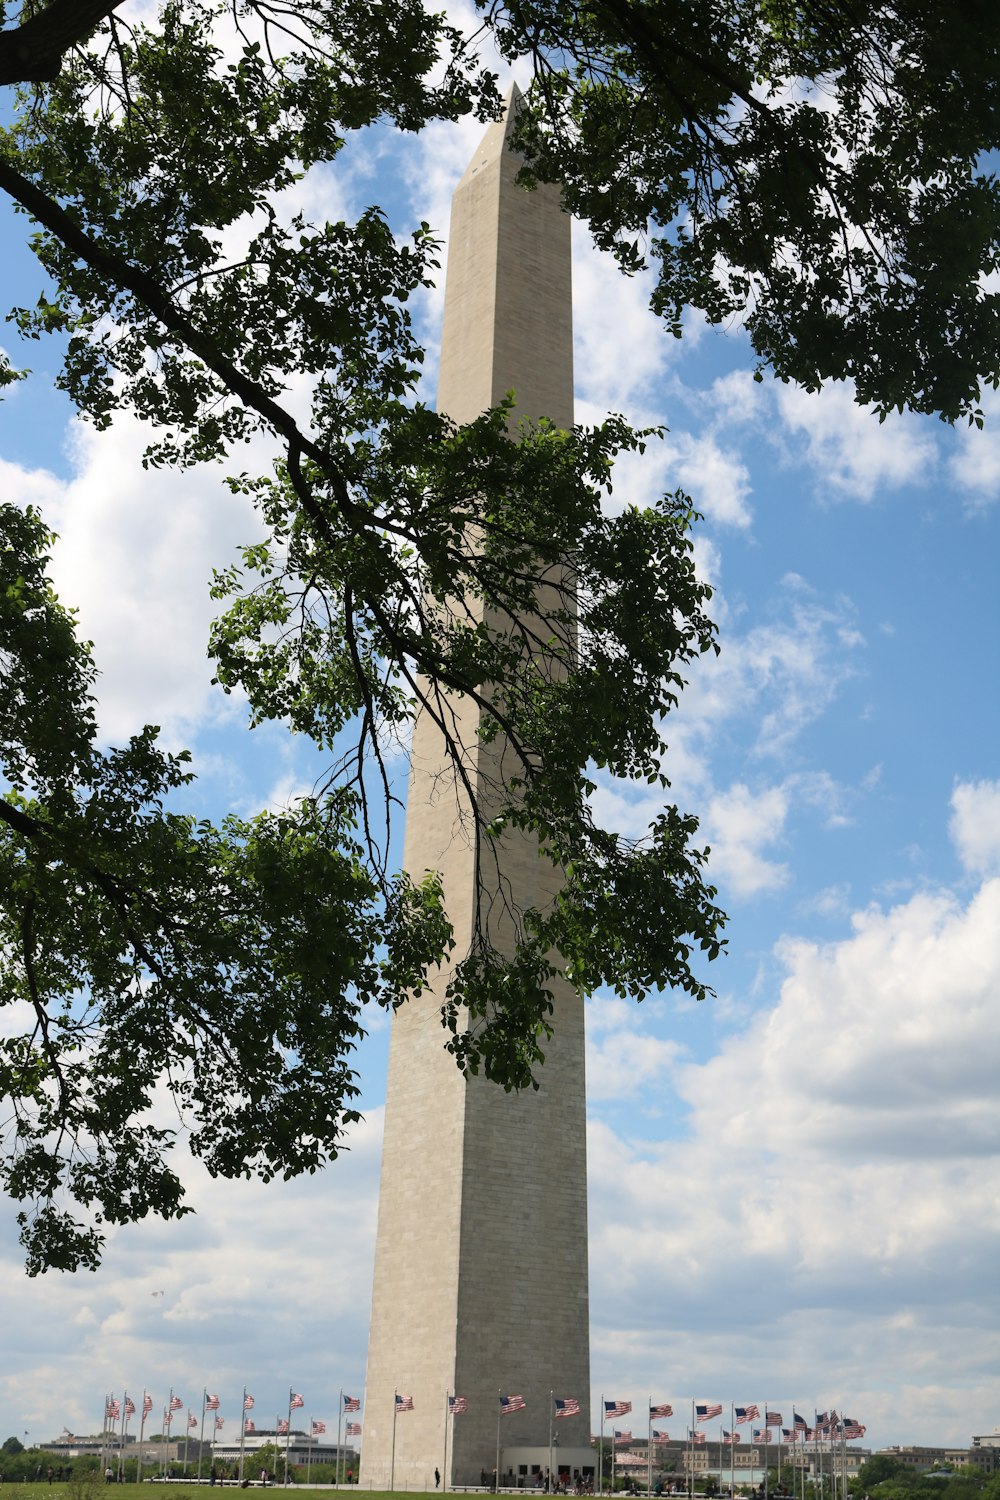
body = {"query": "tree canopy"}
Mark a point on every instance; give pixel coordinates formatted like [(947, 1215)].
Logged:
[(814, 170)]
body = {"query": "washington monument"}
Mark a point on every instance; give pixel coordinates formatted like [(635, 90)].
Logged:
[(481, 1257)]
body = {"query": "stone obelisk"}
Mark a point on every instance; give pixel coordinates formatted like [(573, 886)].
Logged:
[(481, 1257)]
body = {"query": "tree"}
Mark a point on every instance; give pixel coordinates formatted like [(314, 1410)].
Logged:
[(12, 1446), (812, 168), (879, 1468)]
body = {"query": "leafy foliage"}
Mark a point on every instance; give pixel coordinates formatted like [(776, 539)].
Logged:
[(140, 947), (814, 170)]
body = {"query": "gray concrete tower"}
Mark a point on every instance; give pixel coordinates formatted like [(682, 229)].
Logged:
[(481, 1257)]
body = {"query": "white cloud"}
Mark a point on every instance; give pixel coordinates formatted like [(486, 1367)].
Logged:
[(738, 825), (622, 1057), (236, 1306), (135, 554), (975, 463), (811, 1232), (975, 825), (778, 677), (853, 453), (717, 480)]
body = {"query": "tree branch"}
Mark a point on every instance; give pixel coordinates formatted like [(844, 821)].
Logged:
[(34, 51)]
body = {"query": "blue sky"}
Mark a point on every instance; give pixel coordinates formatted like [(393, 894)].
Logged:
[(794, 1188)]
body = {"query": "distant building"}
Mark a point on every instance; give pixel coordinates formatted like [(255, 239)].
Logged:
[(984, 1455), (678, 1456), (73, 1445), (301, 1449)]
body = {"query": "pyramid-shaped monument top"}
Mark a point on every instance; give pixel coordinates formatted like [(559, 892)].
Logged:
[(496, 142), (508, 320)]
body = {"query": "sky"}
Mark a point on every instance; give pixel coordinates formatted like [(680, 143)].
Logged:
[(794, 1187)]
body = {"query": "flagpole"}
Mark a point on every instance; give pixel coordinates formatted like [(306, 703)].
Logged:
[(600, 1453), (168, 1417), (444, 1470), (392, 1461), (691, 1454), (243, 1431), (142, 1429), (201, 1436), (288, 1432), (766, 1431), (649, 1445), (496, 1471), (552, 1397), (121, 1442), (340, 1418)]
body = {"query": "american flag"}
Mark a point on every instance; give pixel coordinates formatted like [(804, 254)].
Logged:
[(248, 1403), (730, 1437), (509, 1404), (799, 1422), (112, 1409), (853, 1429), (458, 1405), (220, 1422), (176, 1403), (129, 1407), (660, 1437), (211, 1402), (788, 1433), (747, 1414), (192, 1419), (568, 1407), (661, 1411), (147, 1405), (250, 1427), (617, 1408), (706, 1413), (762, 1434), (295, 1401), (404, 1403), (622, 1437), (168, 1417), (773, 1418), (352, 1403), (354, 1429), (697, 1437), (282, 1428), (822, 1420), (317, 1428)]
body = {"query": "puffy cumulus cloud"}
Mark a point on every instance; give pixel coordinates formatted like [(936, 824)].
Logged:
[(853, 453), (217, 1299), (975, 824), (135, 554), (975, 460), (718, 481), (622, 1057), (738, 825), (826, 1227), (621, 354)]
